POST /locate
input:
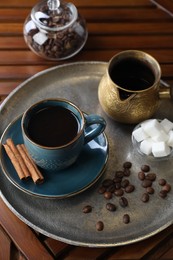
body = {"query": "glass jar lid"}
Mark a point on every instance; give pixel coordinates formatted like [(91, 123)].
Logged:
[(54, 15)]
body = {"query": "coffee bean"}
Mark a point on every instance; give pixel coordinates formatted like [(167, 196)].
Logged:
[(150, 190), (125, 183), (163, 194), (123, 202), (119, 174), (146, 183), (87, 209), (108, 195), (162, 182), (130, 188), (141, 176), (126, 218), (110, 207), (145, 168), (111, 188), (101, 190), (107, 182), (127, 172), (99, 226), (119, 192), (145, 197), (118, 185), (117, 179), (150, 176), (166, 187), (127, 165)]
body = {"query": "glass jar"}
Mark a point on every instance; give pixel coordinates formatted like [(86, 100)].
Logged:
[(54, 30)]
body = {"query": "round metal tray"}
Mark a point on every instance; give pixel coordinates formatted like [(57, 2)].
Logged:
[(63, 219)]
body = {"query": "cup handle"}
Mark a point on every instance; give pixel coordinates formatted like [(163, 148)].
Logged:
[(98, 129), (165, 90)]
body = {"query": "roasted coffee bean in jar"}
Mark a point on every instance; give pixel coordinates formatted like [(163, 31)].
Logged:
[(55, 30)]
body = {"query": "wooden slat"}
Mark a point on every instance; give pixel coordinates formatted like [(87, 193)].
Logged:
[(83, 3), (7, 86), (104, 29), (20, 72), (21, 235), (131, 28), (57, 248), (130, 42), (23, 72), (94, 14), (5, 245), (163, 56), (103, 43), (89, 254)]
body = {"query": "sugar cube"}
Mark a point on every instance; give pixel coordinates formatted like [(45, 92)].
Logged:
[(146, 146), (162, 136), (30, 26), (139, 134), (152, 127), (40, 38), (167, 125), (160, 149)]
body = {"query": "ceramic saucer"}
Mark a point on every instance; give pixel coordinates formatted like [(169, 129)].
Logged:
[(65, 183)]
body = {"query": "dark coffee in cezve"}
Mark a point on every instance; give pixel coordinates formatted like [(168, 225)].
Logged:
[(131, 75), (53, 126)]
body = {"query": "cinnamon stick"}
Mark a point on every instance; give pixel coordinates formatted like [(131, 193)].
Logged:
[(34, 171), (14, 161), (33, 163), (20, 160)]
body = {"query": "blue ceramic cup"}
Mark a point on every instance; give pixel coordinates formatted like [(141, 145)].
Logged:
[(41, 125)]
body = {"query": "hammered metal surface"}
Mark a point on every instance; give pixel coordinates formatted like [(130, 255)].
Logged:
[(63, 219)]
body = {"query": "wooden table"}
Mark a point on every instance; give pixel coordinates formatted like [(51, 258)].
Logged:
[(113, 26)]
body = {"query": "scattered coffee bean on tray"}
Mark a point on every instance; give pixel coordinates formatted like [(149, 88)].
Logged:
[(108, 195), (107, 182), (150, 176), (127, 165), (110, 207), (127, 172), (163, 194), (167, 187), (126, 219), (125, 183), (101, 190), (111, 188), (123, 202), (119, 174), (119, 192), (162, 182), (99, 226), (117, 179), (87, 209), (145, 168), (130, 188), (141, 175), (146, 183), (150, 190), (145, 197)]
